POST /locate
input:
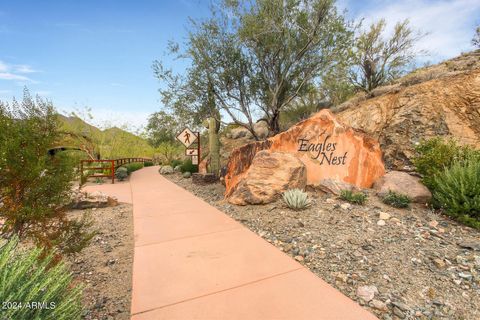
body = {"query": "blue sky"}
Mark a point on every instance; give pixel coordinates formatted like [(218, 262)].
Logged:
[(98, 53)]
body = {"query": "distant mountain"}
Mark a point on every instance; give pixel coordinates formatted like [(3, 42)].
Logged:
[(111, 143)]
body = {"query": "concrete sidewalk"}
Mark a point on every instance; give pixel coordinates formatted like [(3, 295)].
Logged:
[(192, 261)]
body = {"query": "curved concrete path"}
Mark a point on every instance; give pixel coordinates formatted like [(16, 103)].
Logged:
[(192, 261)]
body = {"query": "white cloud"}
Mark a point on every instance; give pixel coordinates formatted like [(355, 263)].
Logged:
[(449, 23), (23, 68), (12, 76), (16, 72), (3, 66)]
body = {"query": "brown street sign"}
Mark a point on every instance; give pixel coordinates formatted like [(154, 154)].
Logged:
[(191, 152), (187, 137), (195, 160)]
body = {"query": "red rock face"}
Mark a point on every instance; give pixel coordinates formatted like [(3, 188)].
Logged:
[(328, 148)]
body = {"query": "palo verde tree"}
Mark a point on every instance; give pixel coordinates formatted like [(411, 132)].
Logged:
[(34, 185), (255, 58), (377, 60), (476, 38)]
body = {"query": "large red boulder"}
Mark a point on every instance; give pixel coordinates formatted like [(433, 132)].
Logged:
[(270, 174), (328, 148)]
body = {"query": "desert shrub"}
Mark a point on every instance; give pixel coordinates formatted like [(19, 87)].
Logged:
[(35, 187), (457, 190), (396, 200), (131, 167), (187, 166), (27, 276), (296, 199), (434, 155), (174, 163), (121, 173), (353, 197), (148, 164)]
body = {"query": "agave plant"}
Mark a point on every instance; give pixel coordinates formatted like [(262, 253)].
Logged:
[(296, 199)]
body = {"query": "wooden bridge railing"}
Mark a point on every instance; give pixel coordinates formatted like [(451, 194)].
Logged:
[(112, 165)]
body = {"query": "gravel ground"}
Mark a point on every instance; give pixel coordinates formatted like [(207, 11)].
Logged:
[(105, 266), (398, 263)]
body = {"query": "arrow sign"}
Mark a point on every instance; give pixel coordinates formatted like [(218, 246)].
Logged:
[(187, 137), (191, 152)]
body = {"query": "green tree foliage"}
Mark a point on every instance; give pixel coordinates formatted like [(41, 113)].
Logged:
[(476, 38), (162, 127), (457, 190), (377, 60), (28, 277), (166, 152), (254, 58), (35, 186)]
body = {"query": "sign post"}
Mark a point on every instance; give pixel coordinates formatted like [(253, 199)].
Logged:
[(187, 137)]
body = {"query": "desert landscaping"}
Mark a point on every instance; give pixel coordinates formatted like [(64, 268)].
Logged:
[(258, 160)]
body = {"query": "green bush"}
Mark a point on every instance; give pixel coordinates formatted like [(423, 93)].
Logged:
[(148, 164), (457, 190), (434, 155), (353, 197), (121, 173), (35, 185), (296, 199), (187, 166), (131, 167), (396, 200), (28, 278), (175, 163)]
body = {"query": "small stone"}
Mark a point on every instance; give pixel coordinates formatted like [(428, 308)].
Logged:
[(340, 276), (433, 224), (439, 263), (383, 216), (330, 200), (379, 305), (366, 293), (346, 206), (400, 305), (299, 258), (395, 220), (381, 222), (465, 275), (399, 313), (457, 281)]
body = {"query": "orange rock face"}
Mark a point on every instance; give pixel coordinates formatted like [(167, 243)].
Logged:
[(328, 148)]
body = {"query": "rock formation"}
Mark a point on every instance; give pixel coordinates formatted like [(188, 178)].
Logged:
[(403, 183), (269, 175), (327, 148), (442, 100)]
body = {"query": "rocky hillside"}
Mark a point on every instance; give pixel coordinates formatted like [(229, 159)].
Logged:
[(441, 100)]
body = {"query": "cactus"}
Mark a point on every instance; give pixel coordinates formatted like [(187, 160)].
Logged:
[(214, 146)]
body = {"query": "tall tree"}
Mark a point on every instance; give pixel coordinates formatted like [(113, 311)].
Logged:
[(476, 38), (376, 60), (256, 57)]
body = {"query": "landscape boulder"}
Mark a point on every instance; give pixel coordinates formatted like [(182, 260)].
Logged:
[(270, 174), (335, 186), (403, 183), (83, 200), (261, 129), (166, 170), (328, 149)]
